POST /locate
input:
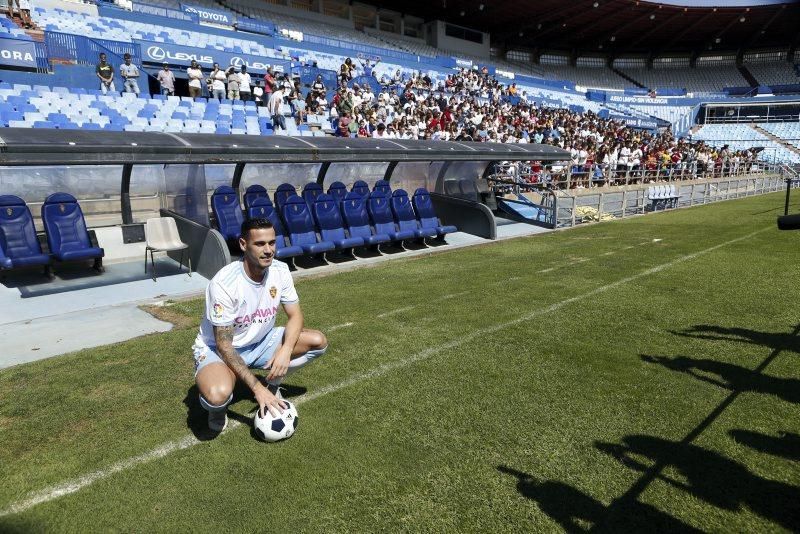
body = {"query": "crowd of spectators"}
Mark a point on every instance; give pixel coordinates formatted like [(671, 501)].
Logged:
[(471, 105), (468, 105)]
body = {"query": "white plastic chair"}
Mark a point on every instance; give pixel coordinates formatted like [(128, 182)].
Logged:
[(161, 235)]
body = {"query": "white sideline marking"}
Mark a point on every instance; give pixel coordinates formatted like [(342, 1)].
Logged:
[(72, 486), (338, 326), (547, 270), (657, 240), (609, 253)]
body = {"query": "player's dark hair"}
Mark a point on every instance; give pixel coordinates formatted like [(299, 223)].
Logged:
[(255, 224)]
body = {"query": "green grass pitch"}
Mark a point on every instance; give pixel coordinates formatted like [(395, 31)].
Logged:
[(626, 376)]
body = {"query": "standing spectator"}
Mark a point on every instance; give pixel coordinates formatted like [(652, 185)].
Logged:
[(129, 73), (105, 72), (9, 4), (195, 75), (166, 78), (245, 83), (269, 83), (233, 83), (346, 71), (318, 86), (217, 78), (274, 105)]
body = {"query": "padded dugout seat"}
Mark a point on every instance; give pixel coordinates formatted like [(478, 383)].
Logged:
[(253, 192), (300, 225), (330, 224), (67, 235), (338, 191), (227, 212), (262, 208), (382, 186), (356, 219), (423, 207), (310, 193), (360, 187), (404, 215), (282, 193), (19, 246), (381, 216)]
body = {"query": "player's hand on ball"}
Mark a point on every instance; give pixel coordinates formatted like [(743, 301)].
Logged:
[(267, 401), (278, 365)]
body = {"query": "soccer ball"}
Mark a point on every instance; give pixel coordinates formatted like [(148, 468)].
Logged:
[(271, 428)]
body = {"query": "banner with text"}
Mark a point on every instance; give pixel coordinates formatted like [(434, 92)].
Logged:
[(635, 122), (153, 52), (208, 15), (17, 53)]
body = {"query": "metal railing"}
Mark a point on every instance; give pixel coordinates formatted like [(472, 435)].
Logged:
[(613, 204), (563, 200)]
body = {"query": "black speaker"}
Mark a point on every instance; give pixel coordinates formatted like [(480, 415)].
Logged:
[(789, 222)]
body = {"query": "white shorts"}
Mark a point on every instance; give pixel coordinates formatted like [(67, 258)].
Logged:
[(255, 356)]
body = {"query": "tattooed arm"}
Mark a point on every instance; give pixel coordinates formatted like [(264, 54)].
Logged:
[(224, 339)]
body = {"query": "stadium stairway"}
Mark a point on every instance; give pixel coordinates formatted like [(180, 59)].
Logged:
[(745, 72), (632, 80), (786, 144)]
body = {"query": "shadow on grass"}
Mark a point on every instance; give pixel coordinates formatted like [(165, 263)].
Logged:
[(730, 376), (707, 475), (576, 511), (775, 340), (786, 445), (197, 416)]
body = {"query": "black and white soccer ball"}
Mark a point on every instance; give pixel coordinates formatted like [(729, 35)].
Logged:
[(271, 428)]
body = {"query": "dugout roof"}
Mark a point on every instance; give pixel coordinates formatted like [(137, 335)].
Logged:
[(25, 146)]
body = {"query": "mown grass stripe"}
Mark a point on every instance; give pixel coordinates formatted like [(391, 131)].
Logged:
[(75, 485)]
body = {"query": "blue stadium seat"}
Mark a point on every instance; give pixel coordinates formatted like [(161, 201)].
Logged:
[(423, 207), (330, 224), (301, 229), (356, 218), (227, 212), (19, 246), (338, 191), (383, 187), (381, 216), (404, 215), (310, 192), (360, 187), (262, 208), (253, 192), (67, 235), (282, 193)]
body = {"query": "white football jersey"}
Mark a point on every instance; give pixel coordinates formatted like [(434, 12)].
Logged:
[(232, 298)]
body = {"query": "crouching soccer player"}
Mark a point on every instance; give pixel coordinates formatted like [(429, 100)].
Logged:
[(238, 330)]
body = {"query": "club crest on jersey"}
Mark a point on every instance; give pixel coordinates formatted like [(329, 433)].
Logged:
[(9, 212), (273, 291), (217, 311)]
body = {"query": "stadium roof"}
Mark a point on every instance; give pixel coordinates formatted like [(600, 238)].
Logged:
[(615, 27)]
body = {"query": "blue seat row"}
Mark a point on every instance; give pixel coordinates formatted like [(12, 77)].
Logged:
[(315, 222), (65, 227)]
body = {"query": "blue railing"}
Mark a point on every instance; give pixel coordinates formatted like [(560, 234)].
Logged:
[(84, 50)]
